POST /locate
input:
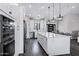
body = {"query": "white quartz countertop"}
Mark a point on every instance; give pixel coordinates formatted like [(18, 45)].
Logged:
[(50, 35)]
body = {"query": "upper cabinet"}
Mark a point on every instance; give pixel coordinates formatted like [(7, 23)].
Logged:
[(8, 10)]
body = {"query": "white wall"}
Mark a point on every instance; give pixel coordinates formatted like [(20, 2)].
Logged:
[(70, 23)]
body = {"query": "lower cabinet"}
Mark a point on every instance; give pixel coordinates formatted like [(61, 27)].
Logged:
[(7, 50), (55, 45), (43, 41), (1, 49)]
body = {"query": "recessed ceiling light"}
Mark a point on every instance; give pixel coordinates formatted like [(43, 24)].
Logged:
[(38, 16), (73, 7), (30, 6), (30, 14), (42, 7)]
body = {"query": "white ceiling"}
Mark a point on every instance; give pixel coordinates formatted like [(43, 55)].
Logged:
[(41, 9)]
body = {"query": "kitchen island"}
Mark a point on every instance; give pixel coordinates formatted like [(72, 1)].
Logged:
[(54, 44)]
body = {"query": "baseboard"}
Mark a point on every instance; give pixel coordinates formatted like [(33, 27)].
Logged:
[(21, 54)]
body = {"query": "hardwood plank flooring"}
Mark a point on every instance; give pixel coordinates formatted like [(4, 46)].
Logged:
[(32, 48)]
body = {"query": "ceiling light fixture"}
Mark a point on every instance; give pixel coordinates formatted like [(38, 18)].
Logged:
[(60, 17), (53, 12), (30, 6), (42, 7), (30, 15), (48, 14), (72, 7), (38, 16)]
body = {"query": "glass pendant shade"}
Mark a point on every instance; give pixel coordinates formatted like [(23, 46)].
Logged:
[(53, 12), (60, 17), (31, 18), (53, 18), (48, 13), (48, 20)]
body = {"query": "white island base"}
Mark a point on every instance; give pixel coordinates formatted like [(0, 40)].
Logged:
[(54, 44)]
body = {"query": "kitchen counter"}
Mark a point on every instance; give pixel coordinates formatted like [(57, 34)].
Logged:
[(54, 44)]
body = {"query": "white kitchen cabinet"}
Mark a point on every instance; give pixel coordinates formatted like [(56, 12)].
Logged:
[(78, 39), (54, 45)]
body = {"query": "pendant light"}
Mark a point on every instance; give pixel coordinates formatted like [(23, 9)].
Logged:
[(48, 13), (53, 12), (60, 17)]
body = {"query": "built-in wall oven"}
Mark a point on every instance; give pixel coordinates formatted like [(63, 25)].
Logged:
[(51, 27)]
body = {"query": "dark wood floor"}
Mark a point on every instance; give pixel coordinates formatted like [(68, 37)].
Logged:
[(74, 48), (33, 48)]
